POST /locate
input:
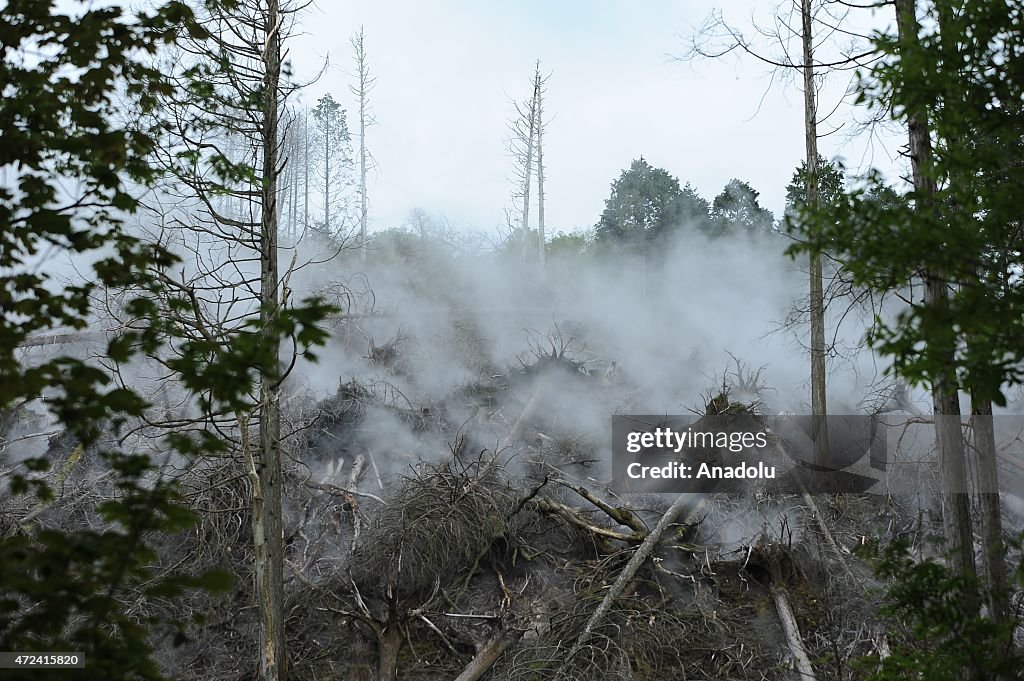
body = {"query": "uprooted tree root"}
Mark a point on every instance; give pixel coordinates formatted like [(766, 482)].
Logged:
[(435, 525)]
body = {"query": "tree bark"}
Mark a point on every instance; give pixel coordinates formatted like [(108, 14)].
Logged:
[(389, 644), (267, 527), (527, 171), (792, 631), (945, 396), (363, 89), (819, 407), (993, 551), (539, 94)]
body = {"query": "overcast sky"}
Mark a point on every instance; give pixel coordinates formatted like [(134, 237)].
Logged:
[(446, 70)]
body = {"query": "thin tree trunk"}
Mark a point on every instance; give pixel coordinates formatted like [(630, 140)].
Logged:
[(993, 551), (540, 173), (305, 163), (267, 527), (294, 202), (792, 632), (945, 397), (819, 407), (527, 171), (363, 85), (327, 173), (362, 183)]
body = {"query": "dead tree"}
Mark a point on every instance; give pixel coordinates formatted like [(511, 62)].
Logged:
[(538, 93), (525, 144), (521, 145), (364, 84), (268, 535)]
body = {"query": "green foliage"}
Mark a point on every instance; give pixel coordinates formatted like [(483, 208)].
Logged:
[(334, 162), (396, 245), (935, 636), (646, 204), (222, 374), (831, 185), (68, 79), (963, 73), (569, 245), (736, 210), (332, 126)]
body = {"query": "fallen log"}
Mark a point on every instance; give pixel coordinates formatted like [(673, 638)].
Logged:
[(787, 619), (489, 654), (792, 632), (61, 339), (621, 515), (572, 515)]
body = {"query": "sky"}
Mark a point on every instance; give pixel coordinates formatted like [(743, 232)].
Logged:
[(447, 71)]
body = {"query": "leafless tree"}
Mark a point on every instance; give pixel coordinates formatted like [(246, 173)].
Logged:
[(364, 84), (525, 143), (521, 144), (538, 93)]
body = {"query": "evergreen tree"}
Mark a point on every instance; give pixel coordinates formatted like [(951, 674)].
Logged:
[(737, 210), (334, 164), (647, 203), (831, 185)]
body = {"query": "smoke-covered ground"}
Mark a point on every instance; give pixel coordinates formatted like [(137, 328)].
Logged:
[(447, 498)]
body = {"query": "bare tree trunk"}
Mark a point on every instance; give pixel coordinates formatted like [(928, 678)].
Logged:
[(819, 407), (362, 180), (389, 644), (362, 90), (527, 171), (993, 551), (305, 163), (327, 174), (294, 201), (267, 527), (541, 239), (945, 397)]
